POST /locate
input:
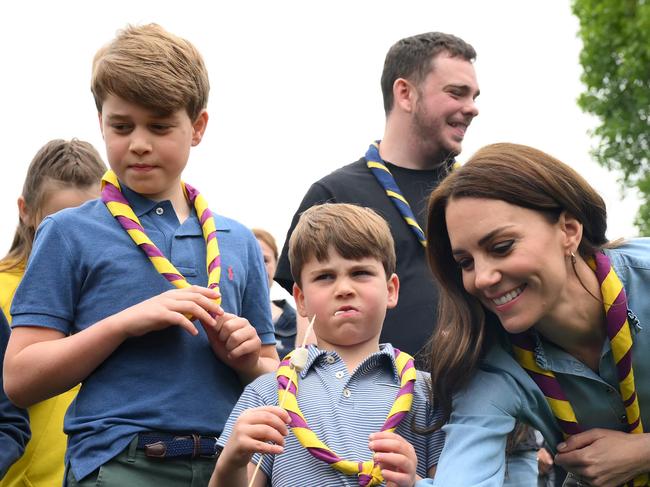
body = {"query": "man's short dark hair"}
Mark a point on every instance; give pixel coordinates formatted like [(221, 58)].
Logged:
[(412, 58)]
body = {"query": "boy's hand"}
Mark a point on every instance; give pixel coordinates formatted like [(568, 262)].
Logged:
[(251, 434), (171, 308), (234, 341), (396, 457)]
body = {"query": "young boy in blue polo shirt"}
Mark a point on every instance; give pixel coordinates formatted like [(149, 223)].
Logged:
[(115, 290), (351, 387)]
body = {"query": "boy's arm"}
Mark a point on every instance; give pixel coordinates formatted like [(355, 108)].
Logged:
[(237, 344), (246, 343), (258, 430), (43, 362)]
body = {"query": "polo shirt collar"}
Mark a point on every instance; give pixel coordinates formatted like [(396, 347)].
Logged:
[(139, 204), (190, 227), (385, 355)]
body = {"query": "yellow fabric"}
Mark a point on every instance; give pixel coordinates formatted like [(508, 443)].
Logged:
[(42, 463), (288, 400)]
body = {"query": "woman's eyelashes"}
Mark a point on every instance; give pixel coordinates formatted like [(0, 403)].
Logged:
[(503, 247), (500, 249)]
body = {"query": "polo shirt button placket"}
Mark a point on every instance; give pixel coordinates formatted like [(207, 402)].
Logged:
[(347, 393), (339, 374)]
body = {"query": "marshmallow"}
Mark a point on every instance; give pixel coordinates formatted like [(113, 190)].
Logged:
[(299, 358)]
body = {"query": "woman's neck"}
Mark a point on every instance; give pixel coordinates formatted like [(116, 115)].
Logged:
[(578, 324)]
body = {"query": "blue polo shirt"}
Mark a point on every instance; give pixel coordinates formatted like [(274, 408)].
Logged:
[(501, 391), (14, 422), (85, 267), (342, 409)]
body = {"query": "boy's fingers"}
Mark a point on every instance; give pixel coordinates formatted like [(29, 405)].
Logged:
[(182, 321), (220, 320)]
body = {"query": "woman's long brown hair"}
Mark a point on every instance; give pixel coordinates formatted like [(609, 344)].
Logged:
[(518, 175)]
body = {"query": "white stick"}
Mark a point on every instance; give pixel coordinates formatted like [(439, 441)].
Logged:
[(310, 328), (293, 367)]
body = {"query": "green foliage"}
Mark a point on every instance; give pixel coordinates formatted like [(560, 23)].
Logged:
[(616, 72)]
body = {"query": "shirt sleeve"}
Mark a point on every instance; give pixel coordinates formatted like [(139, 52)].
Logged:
[(251, 398), (475, 437), (255, 303), (49, 290), (316, 194), (14, 422)]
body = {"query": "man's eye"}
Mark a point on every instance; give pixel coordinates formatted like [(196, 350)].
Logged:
[(121, 127)]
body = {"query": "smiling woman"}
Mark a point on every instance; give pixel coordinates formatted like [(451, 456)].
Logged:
[(539, 321)]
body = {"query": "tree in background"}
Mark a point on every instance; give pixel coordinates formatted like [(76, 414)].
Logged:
[(616, 71)]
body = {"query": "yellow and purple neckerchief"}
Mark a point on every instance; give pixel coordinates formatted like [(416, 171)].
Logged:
[(368, 473), (620, 337), (119, 207)]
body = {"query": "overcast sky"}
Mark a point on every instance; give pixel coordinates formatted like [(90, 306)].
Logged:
[(295, 89)]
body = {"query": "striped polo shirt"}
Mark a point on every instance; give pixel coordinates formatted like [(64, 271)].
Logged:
[(342, 409)]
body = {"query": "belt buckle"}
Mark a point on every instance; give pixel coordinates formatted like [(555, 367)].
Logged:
[(155, 450)]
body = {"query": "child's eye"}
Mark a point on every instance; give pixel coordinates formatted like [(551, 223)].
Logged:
[(502, 248), (160, 127), (121, 128), (362, 273), (323, 277)]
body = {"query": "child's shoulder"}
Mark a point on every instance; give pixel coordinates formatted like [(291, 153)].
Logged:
[(89, 211), (265, 386), (232, 230)]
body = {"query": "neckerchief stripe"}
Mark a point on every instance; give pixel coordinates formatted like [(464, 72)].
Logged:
[(119, 207), (387, 182), (620, 337), (368, 473)]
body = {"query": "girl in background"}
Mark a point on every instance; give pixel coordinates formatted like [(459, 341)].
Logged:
[(284, 316), (62, 174)]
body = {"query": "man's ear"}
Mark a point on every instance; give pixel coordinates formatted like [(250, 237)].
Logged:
[(393, 291), (571, 232), (198, 127), (404, 95), (299, 298)]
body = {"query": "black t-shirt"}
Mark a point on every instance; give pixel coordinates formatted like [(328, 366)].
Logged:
[(410, 324)]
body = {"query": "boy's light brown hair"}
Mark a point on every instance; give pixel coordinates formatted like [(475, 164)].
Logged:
[(354, 232), (152, 68)]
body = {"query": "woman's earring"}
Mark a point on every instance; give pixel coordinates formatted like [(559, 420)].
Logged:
[(573, 258)]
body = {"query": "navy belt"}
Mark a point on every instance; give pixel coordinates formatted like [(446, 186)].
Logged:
[(164, 445)]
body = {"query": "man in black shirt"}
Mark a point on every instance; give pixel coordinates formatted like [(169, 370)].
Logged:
[(429, 88)]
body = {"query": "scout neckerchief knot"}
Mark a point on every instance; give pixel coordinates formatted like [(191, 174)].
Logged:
[(119, 207), (620, 337), (387, 181), (368, 472)]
